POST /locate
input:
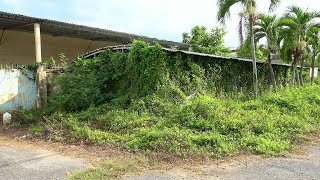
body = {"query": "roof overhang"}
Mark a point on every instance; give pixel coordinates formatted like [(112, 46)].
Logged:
[(9, 21)]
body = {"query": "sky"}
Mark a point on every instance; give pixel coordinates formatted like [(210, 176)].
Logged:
[(162, 19)]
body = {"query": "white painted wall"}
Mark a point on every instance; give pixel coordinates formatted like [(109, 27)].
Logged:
[(18, 47)]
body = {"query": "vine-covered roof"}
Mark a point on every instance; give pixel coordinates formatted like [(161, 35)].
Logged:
[(95, 52)]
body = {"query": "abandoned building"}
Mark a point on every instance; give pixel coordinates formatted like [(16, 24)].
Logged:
[(17, 39), (28, 40)]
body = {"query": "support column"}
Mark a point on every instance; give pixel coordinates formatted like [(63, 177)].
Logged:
[(41, 71)]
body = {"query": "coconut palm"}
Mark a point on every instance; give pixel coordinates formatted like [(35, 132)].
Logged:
[(266, 27), (294, 27), (313, 36), (249, 7), (242, 23)]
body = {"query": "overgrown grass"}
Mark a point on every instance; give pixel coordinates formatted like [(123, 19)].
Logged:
[(204, 126), (112, 169)]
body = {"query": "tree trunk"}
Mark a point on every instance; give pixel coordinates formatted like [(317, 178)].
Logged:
[(272, 76), (301, 73), (254, 63), (241, 38), (295, 74), (312, 68)]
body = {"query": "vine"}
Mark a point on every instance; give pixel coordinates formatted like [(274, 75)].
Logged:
[(121, 78)]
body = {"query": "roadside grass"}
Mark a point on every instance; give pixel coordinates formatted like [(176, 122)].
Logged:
[(112, 169)]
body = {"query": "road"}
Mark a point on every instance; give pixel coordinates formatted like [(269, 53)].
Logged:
[(297, 167), (21, 159), (35, 164)]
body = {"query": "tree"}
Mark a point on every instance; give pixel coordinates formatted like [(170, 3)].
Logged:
[(294, 27), (266, 27), (313, 36), (245, 51), (242, 22), (211, 42), (249, 7)]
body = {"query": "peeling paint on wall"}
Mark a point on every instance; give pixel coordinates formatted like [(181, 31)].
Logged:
[(18, 90)]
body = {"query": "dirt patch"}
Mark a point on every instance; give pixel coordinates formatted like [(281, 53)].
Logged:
[(18, 138)]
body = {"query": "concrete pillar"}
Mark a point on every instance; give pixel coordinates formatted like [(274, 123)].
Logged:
[(41, 71), (37, 37)]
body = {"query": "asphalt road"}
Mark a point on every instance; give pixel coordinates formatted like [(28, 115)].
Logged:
[(293, 168), (16, 164)]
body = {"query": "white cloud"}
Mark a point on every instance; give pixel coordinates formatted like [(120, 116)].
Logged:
[(165, 19)]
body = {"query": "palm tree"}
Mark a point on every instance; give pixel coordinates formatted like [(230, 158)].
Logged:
[(249, 7), (294, 27), (242, 23), (266, 27), (313, 36)]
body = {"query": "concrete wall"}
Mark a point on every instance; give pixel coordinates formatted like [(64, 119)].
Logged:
[(18, 47), (18, 90)]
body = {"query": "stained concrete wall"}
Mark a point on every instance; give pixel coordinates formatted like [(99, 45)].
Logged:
[(17, 47), (17, 90)]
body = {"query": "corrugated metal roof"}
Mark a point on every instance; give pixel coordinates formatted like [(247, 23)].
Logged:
[(127, 47), (56, 28)]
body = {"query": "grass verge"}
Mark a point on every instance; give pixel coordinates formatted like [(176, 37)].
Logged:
[(112, 169)]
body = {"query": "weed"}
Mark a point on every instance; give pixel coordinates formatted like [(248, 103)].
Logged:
[(112, 169)]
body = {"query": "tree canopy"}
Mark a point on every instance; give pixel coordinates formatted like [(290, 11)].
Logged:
[(209, 42)]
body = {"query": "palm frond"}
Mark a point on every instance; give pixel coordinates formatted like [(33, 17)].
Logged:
[(287, 22), (273, 5), (224, 9)]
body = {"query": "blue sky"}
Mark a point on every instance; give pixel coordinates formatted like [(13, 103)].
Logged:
[(165, 19)]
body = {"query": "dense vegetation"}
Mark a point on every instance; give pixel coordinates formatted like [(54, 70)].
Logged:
[(148, 100), (120, 78), (289, 36)]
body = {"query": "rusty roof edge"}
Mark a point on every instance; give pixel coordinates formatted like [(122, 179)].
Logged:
[(100, 50)]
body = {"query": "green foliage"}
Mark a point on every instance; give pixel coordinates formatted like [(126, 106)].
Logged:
[(76, 92), (207, 42), (63, 59), (37, 129), (267, 27), (203, 126), (123, 78), (152, 101), (112, 169), (245, 51), (28, 117), (295, 25)]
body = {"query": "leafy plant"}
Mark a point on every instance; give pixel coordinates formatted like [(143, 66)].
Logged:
[(207, 42)]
